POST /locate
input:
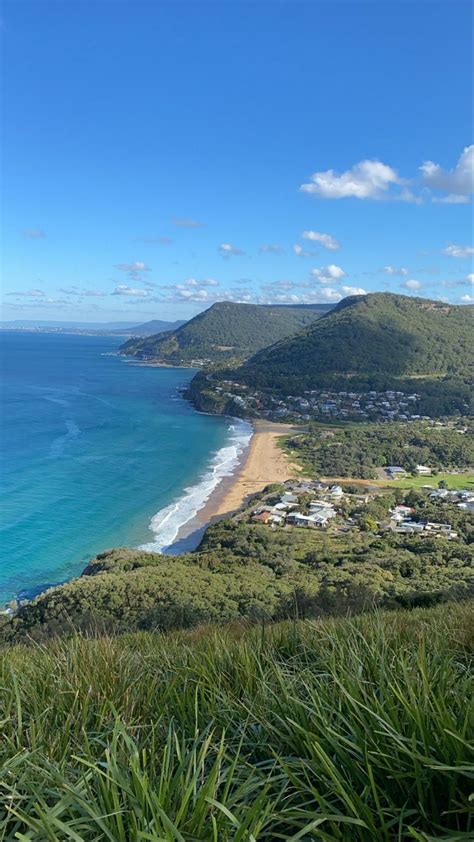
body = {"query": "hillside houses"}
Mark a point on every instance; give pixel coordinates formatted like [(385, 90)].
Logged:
[(429, 529), (289, 509), (401, 520), (310, 504), (314, 404)]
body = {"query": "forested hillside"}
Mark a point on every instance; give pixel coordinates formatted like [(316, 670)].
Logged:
[(375, 342), (360, 450), (225, 332), (379, 333)]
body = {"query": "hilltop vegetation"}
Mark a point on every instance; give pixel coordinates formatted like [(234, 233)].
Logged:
[(379, 333), (344, 730), (225, 332), (373, 342)]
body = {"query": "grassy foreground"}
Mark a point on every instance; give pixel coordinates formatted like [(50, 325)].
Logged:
[(329, 730)]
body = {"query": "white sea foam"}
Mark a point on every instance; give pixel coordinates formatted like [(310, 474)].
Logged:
[(167, 523)]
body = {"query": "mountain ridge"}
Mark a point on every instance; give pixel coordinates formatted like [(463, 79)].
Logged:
[(226, 331), (376, 341)]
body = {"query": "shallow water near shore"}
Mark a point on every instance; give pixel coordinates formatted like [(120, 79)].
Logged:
[(97, 452)]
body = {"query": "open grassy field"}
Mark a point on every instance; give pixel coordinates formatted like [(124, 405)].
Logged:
[(350, 730), (453, 481)]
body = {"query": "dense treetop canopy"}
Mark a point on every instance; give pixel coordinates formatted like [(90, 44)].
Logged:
[(226, 331)]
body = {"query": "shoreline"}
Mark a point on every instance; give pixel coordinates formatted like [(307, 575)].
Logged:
[(261, 464)]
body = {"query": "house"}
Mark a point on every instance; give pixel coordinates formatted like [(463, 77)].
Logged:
[(283, 507), (469, 505), (423, 470), (323, 509), (409, 526), (262, 517), (288, 498), (318, 520), (297, 519), (336, 491), (267, 517), (404, 511), (394, 471)]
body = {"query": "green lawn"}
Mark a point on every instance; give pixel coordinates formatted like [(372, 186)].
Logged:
[(465, 481)]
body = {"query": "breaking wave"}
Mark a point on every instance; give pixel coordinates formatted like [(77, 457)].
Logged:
[(167, 523)]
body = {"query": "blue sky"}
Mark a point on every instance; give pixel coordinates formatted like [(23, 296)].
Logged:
[(160, 156)]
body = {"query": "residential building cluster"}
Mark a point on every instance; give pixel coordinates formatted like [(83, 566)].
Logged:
[(387, 405), (315, 504), (289, 509), (401, 520), (462, 498)]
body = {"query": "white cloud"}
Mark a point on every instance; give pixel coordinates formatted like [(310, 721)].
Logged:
[(394, 270), (373, 179), (133, 270), (280, 292), (328, 274), (187, 223), (365, 180), (468, 299), (412, 284), (193, 291), (276, 286), (451, 199), (300, 252), (138, 266), (458, 182), (206, 282), (470, 277), (34, 233), (123, 289), (194, 294), (38, 302), (326, 240), (29, 293), (458, 251), (353, 291), (320, 296), (89, 293), (270, 248), (228, 250), (330, 295)]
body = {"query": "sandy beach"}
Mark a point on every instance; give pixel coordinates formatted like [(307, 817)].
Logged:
[(263, 463)]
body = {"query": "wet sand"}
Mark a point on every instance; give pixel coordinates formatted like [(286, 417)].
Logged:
[(263, 462)]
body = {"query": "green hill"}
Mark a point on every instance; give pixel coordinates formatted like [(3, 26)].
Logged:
[(226, 332), (379, 341), (154, 327), (346, 730), (379, 333)]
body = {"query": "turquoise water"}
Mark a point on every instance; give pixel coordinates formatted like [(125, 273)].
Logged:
[(96, 452)]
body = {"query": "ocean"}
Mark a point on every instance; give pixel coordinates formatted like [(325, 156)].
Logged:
[(97, 452)]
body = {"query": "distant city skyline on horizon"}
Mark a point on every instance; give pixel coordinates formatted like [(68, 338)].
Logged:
[(161, 157)]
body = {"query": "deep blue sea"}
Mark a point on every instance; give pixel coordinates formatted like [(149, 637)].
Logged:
[(96, 452)]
